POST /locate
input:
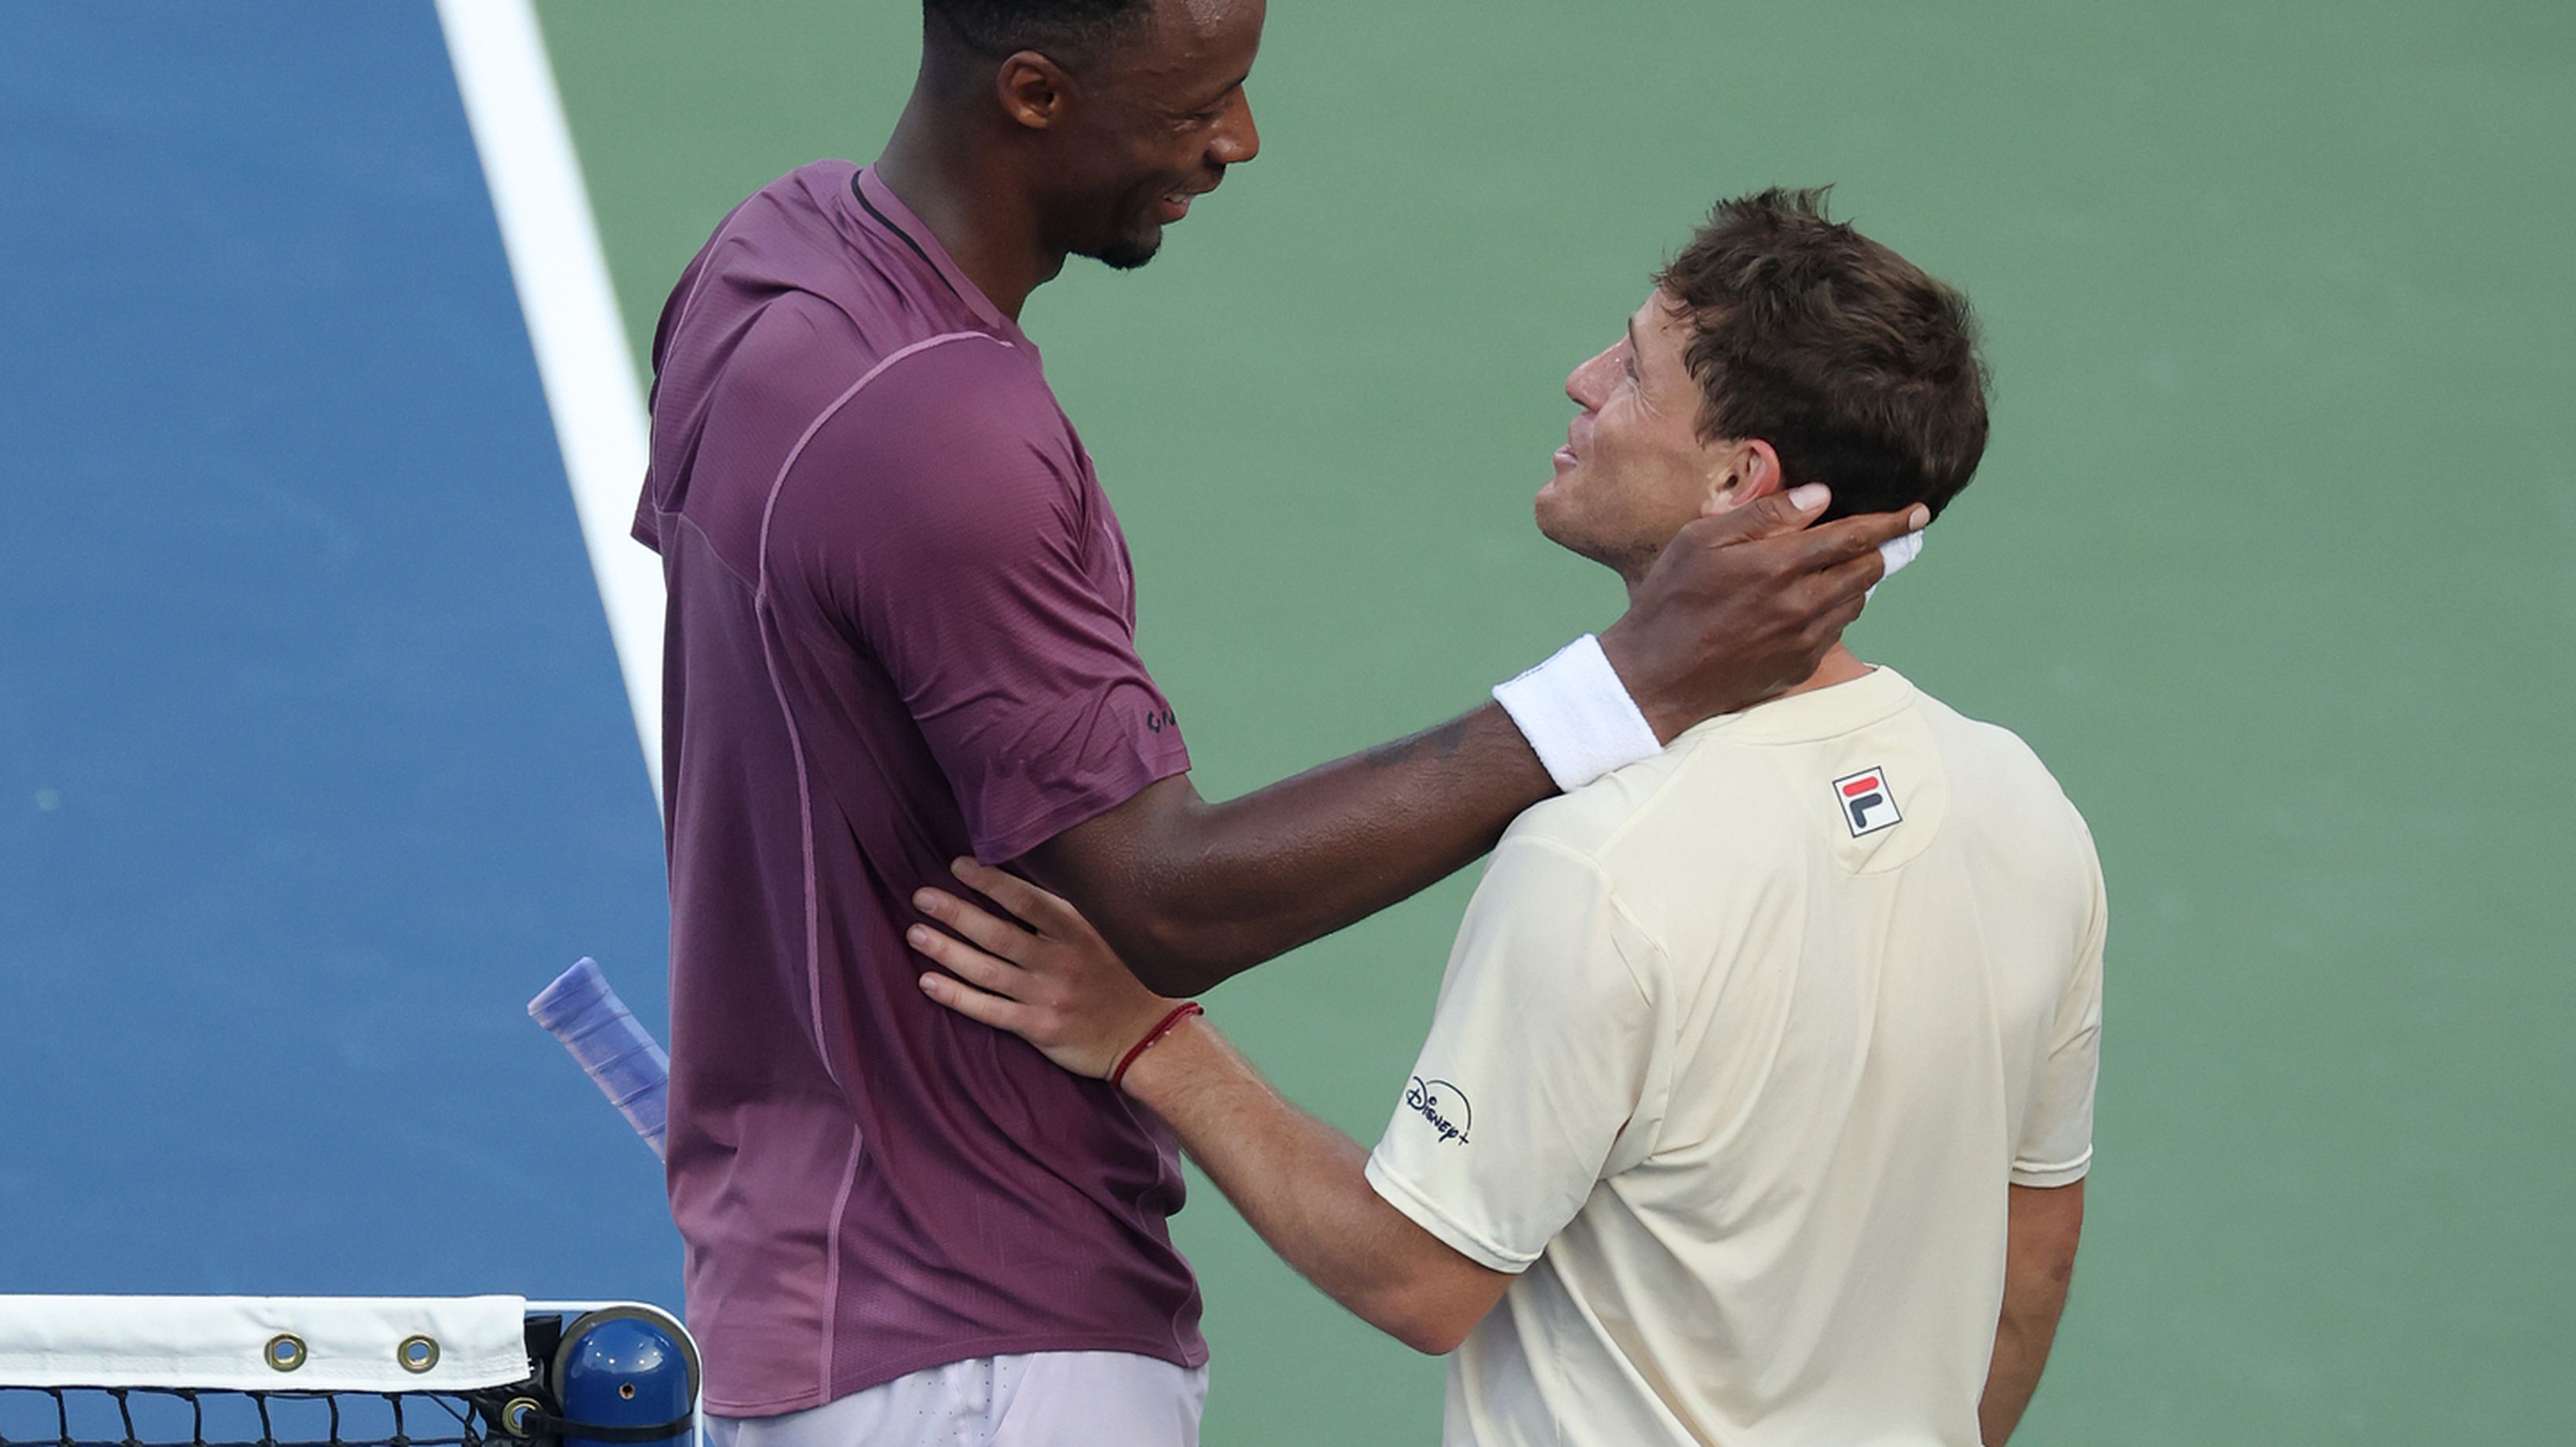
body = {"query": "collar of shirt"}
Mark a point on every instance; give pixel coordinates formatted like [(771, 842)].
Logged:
[(1818, 714), (881, 210)]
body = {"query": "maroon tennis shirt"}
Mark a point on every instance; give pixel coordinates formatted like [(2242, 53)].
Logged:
[(901, 628)]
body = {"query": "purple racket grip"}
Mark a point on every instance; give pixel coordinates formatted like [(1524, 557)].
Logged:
[(621, 1059)]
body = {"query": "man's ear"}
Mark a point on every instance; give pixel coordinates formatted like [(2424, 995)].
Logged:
[(1033, 90), (1747, 471)]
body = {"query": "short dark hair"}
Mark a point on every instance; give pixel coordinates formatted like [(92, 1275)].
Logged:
[(1065, 31), (1860, 370)]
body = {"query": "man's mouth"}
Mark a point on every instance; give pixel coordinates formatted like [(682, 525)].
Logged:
[(1176, 204)]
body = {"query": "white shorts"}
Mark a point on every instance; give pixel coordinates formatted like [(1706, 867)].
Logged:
[(1042, 1399)]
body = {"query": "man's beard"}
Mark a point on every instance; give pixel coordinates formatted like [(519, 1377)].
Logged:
[(1127, 254), (1629, 559), (1133, 238)]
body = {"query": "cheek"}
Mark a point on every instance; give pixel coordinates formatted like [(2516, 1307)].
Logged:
[(1635, 482), (1587, 501), (1611, 463), (1155, 161)]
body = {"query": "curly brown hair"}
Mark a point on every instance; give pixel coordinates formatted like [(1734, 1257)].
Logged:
[(1859, 369)]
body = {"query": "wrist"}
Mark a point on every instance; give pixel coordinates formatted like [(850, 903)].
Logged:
[(1169, 1016), (1634, 676), (1578, 715), (1166, 1066)]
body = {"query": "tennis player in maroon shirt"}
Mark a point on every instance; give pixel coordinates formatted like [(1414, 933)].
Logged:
[(901, 629)]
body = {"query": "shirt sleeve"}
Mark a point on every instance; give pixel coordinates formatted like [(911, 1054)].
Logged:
[(1528, 1090), (944, 520), (2056, 1146)]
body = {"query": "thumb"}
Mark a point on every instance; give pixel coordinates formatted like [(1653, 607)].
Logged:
[(1767, 517)]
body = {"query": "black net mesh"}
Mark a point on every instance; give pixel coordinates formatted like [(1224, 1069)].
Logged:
[(186, 1417)]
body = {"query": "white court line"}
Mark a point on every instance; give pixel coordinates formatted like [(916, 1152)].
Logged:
[(589, 375)]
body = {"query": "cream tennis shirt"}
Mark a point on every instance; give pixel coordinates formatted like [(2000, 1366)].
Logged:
[(1736, 1053)]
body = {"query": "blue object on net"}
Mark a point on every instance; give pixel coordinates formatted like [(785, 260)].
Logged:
[(625, 1376), (629, 1067)]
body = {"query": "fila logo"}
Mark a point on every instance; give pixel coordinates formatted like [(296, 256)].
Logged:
[(1868, 804)]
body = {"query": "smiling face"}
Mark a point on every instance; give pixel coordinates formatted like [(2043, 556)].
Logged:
[(1635, 469), (1155, 121)]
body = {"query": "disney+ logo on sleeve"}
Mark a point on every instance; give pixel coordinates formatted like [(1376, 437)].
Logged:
[(1442, 1104)]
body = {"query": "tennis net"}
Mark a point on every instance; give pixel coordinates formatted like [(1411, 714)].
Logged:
[(492, 1371)]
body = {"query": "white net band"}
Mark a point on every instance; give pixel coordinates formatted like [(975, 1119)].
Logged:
[(264, 1343)]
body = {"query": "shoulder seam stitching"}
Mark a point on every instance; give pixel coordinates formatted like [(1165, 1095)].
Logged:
[(769, 509)]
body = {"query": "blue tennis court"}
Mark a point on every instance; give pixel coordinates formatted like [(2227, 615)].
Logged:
[(314, 758)]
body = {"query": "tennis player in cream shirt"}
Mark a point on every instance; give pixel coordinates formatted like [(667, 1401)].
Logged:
[(1758, 1099)]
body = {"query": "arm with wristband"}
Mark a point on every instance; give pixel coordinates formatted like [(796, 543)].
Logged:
[(1300, 1183), (1740, 605)]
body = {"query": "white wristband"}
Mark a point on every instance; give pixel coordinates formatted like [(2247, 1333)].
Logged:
[(1578, 716)]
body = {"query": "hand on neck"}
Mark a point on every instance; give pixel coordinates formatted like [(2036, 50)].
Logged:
[(1839, 665)]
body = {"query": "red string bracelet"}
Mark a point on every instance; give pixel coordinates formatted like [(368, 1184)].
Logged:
[(1170, 1022)]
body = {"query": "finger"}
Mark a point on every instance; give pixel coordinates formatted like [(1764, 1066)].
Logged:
[(1820, 602), (1768, 517), (991, 931), (1046, 913), (964, 960), (1829, 625), (1852, 537), (1850, 578), (974, 1004)]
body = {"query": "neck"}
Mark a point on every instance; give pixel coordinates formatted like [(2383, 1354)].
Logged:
[(1840, 664), (955, 179)]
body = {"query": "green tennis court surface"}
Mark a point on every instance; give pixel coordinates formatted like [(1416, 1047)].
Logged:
[(2271, 561)]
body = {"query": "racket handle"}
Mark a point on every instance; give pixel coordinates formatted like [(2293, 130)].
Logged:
[(580, 1010)]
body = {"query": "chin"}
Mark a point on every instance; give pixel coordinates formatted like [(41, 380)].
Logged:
[(1557, 507), (1130, 252), (1569, 532), (1543, 510), (1553, 524)]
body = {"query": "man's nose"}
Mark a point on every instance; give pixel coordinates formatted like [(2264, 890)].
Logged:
[(1238, 138), (1583, 383)]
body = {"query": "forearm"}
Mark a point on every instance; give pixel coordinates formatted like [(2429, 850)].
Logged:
[(1300, 1183), (1192, 892), (2021, 1351), (2039, 1268)]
